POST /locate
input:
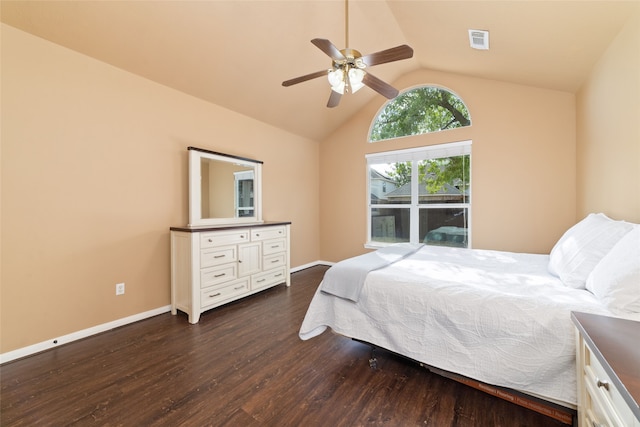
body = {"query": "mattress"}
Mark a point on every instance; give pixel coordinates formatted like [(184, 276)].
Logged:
[(497, 317)]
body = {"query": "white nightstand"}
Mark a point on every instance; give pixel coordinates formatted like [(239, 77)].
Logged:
[(608, 368)]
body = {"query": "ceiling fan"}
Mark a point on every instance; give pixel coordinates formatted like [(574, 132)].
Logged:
[(348, 74)]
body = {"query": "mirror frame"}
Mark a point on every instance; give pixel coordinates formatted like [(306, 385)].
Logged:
[(195, 187)]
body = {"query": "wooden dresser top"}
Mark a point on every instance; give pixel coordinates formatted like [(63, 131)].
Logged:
[(202, 228), (616, 344)]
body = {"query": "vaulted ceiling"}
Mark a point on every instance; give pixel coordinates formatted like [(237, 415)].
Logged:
[(237, 53)]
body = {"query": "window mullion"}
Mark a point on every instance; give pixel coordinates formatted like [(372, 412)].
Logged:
[(414, 223)]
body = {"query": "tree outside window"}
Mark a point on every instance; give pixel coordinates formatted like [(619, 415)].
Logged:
[(420, 110)]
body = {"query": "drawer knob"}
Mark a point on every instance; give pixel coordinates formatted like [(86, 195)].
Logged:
[(219, 275), (215, 295), (210, 240), (603, 384)]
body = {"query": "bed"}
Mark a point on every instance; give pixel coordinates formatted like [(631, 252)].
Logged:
[(500, 318)]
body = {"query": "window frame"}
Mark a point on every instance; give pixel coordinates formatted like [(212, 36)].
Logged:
[(416, 155)]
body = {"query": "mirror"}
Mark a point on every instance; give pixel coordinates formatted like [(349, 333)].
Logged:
[(223, 189)]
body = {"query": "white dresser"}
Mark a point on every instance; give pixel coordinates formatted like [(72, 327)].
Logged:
[(211, 266), (608, 359)]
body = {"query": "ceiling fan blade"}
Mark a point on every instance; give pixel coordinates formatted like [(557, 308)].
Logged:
[(389, 55), (327, 47), (304, 78), (334, 99), (384, 89)]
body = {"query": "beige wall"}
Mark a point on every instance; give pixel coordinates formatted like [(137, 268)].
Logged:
[(94, 172), (608, 130), (523, 166)]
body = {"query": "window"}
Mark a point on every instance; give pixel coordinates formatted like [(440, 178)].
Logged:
[(424, 194), (428, 197), (420, 110), (244, 193)]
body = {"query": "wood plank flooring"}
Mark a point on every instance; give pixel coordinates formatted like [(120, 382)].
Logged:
[(241, 365)]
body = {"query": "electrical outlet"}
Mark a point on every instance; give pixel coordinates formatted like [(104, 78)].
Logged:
[(119, 288)]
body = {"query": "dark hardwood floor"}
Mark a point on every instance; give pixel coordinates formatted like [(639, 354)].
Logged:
[(242, 365)]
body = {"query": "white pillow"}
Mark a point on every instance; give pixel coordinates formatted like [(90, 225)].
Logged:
[(616, 278), (582, 246)]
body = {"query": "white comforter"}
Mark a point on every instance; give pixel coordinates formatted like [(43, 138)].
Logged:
[(498, 317)]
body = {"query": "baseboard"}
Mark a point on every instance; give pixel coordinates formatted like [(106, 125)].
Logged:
[(311, 264), (55, 342)]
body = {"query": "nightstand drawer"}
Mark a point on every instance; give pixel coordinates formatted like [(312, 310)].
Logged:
[(609, 403), (599, 410)]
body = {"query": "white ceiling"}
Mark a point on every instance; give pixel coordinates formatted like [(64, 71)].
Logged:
[(237, 53)]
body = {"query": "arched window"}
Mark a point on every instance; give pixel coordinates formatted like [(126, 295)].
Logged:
[(420, 110)]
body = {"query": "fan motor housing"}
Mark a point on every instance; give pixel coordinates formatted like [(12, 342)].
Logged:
[(352, 59)]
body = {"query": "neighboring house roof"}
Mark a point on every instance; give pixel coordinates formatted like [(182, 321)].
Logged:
[(377, 175), (405, 191)]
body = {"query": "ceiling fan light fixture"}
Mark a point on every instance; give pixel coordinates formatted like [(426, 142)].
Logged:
[(355, 79), (336, 80)]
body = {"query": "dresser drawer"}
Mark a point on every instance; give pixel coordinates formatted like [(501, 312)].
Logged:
[(273, 261), (215, 275), (223, 238), (216, 256), (267, 279), (266, 233), (217, 294), (274, 246)]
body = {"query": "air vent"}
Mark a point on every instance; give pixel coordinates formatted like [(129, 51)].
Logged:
[(479, 39)]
